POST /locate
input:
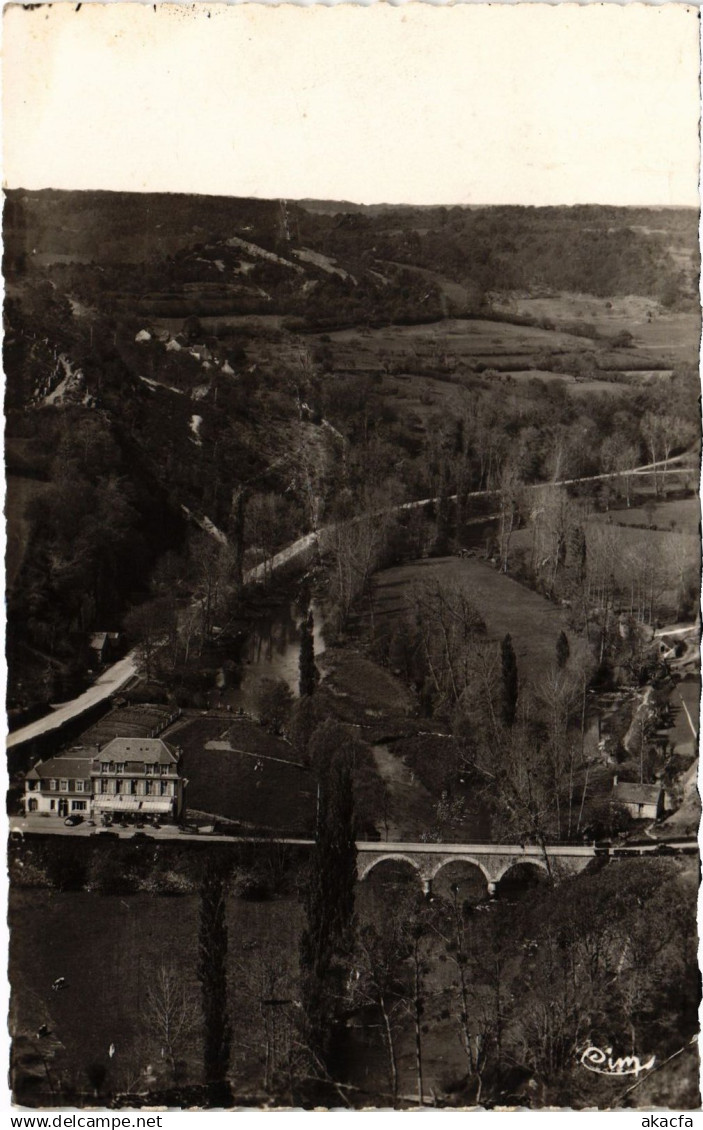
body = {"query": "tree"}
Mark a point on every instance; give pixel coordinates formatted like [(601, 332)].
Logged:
[(266, 983), (151, 624), (170, 1015), (309, 675), (213, 585), (446, 633), (517, 780), (558, 698), (274, 702), (509, 498), (508, 664), (620, 457), (380, 952), (212, 974), (357, 546), (563, 650), (236, 531), (262, 527), (444, 516), (479, 957), (329, 896)]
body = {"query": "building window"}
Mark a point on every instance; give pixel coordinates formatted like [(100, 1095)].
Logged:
[(79, 786), (63, 786), (31, 785), (119, 767), (78, 805), (52, 805), (103, 786), (104, 766), (53, 785), (133, 788), (147, 788), (118, 786), (149, 768)]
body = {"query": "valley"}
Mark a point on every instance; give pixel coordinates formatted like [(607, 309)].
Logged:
[(385, 523)]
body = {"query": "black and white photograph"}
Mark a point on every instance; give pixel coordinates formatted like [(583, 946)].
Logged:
[(352, 450)]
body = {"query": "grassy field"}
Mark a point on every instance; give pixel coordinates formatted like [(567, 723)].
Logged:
[(109, 949), (506, 606), (252, 782), (362, 690), (657, 334), (652, 327), (680, 514), (111, 960)]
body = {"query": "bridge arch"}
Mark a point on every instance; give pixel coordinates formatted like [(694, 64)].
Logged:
[(459, 876), (519, 861), (445, 860), (389, 857)]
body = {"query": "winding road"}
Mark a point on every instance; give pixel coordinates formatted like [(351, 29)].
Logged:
[(116, 677)]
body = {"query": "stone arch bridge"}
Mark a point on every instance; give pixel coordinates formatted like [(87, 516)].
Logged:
[(493, 860)]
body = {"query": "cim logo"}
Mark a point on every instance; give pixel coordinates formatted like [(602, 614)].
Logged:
[(601, 1061)]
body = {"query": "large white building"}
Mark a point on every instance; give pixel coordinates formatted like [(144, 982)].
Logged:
[(128, 777)]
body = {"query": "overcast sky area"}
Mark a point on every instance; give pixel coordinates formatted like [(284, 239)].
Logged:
[(470, 104)]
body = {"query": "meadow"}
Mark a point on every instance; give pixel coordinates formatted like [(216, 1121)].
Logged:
[(506, 606), (109, 949), (252, 779)]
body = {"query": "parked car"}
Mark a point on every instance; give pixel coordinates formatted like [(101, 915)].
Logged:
[(71, 821)]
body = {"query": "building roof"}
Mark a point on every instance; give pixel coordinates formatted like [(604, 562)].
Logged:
[(149, 750), (629, 793), (135, 720), (99, 639), (66, 767)]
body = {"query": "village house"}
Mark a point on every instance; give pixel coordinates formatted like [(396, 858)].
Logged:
[(104, 645), (60, 786), (643, 802), (128, 776), (139, 776)]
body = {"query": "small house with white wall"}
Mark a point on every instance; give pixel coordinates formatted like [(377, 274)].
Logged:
[(643, 802)]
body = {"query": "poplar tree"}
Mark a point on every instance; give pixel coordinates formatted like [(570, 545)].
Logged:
[(327, 940), (309, 675), (212, 974), (508, 665)]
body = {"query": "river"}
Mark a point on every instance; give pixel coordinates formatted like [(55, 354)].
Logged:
[(271, 650)]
